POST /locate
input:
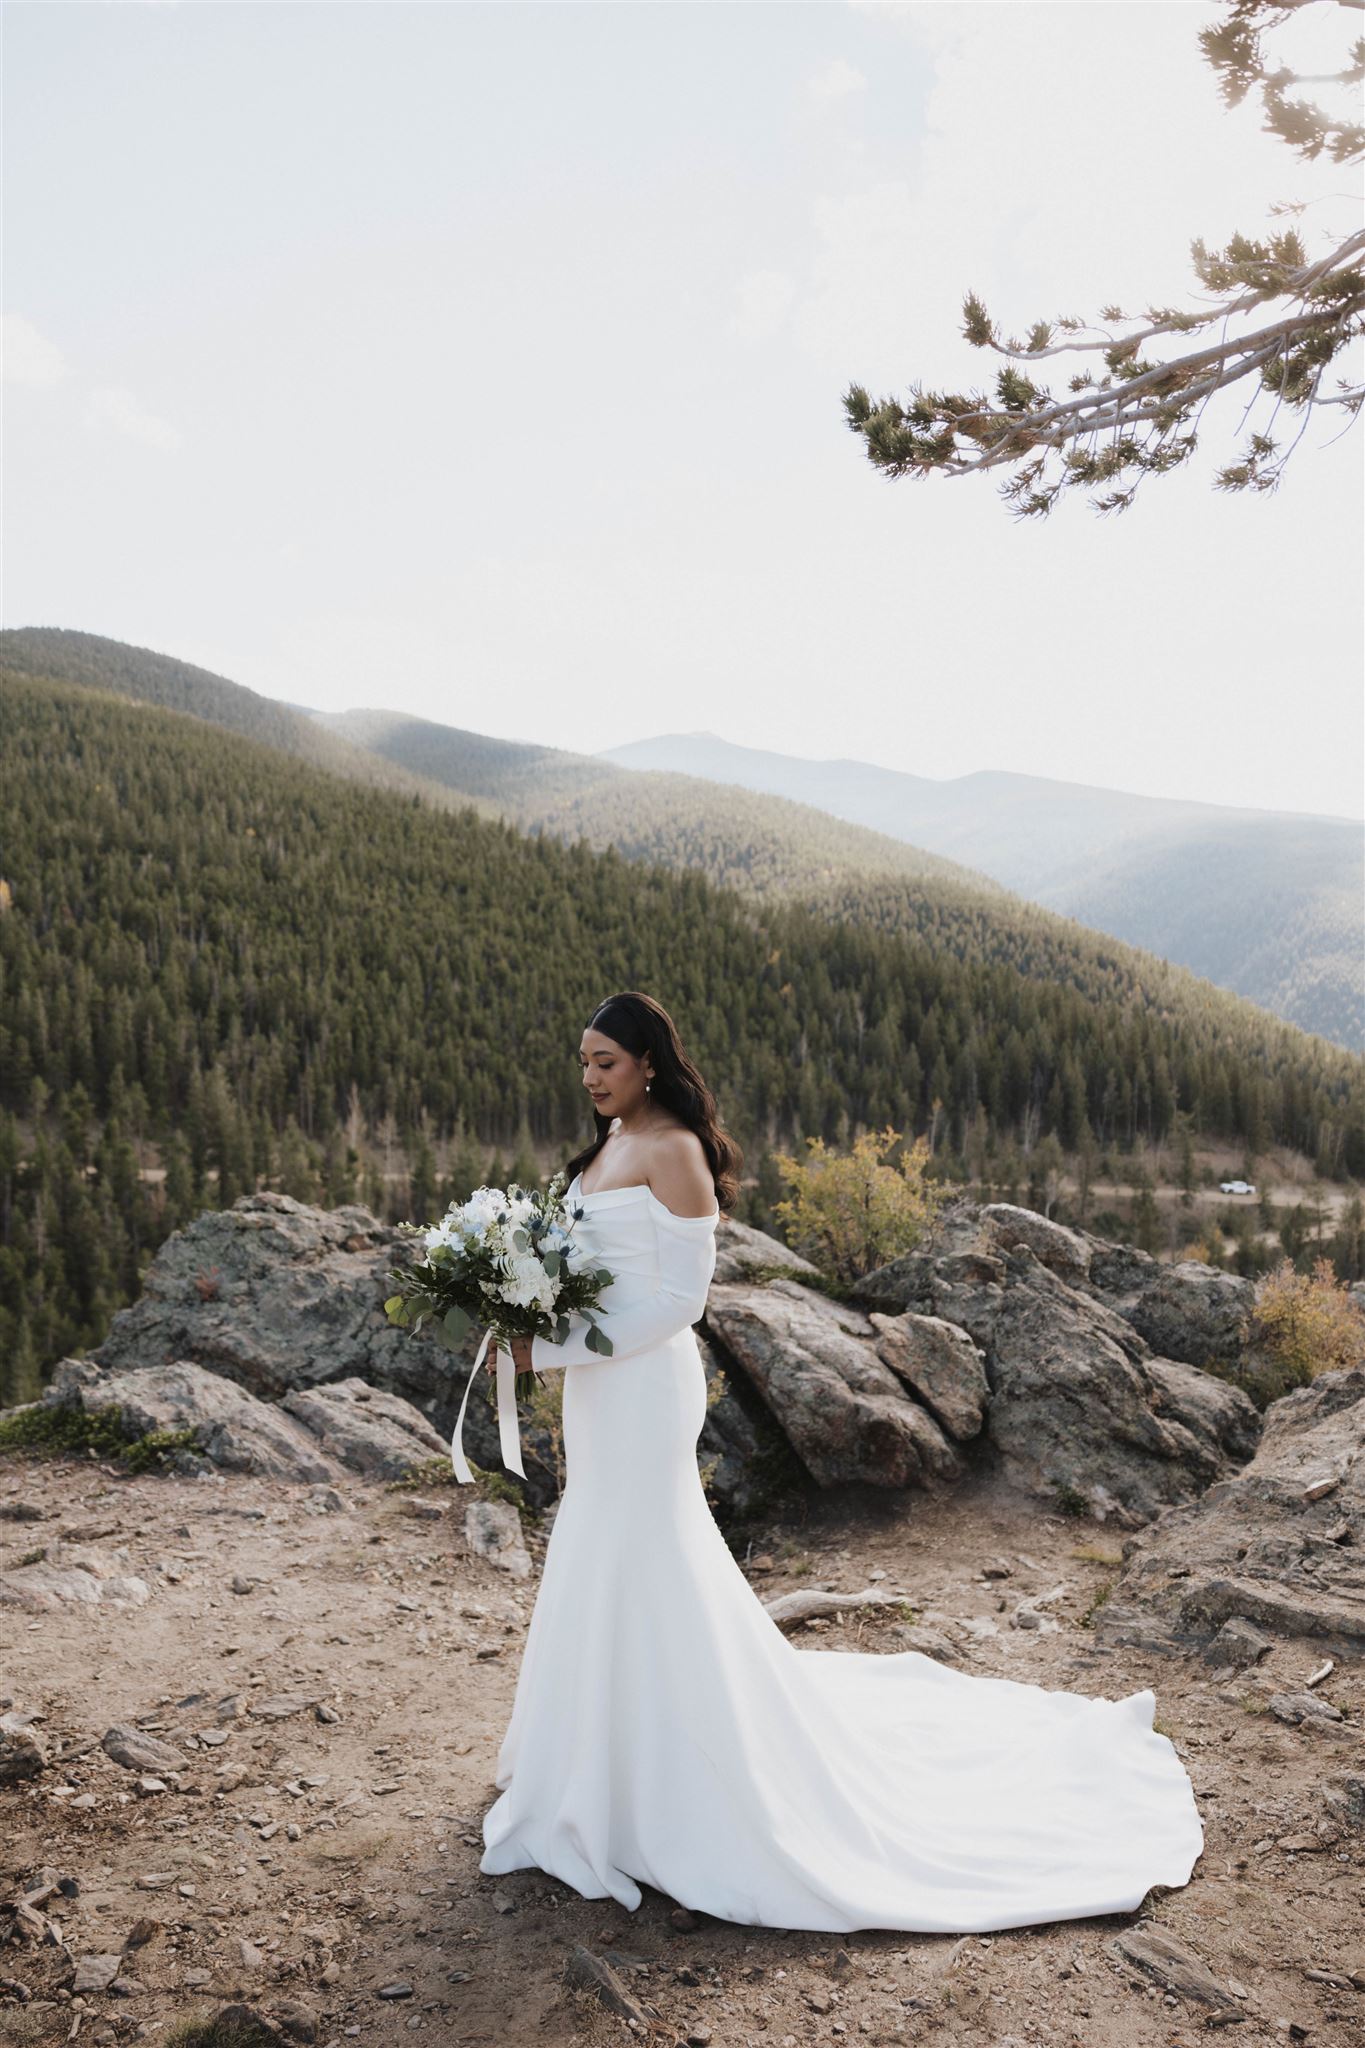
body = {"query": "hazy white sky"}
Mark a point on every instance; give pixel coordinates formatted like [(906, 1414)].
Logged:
[(485, 362)]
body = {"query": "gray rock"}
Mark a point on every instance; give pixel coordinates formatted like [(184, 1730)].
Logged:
[(1076, 1407), (1237, 1645), (910, 1281), (95, 1973), (233, 1430), (1341, 1804), (312, 1437), (1298, 1708), (367, 1429), (1258, 1546), (584, 1971), (747, 1459), (1160, 1955), (73, 1575), (271, 1293), (742, 1252), (1194, 1313), (845, 1414), (940, 1363), (930, 1642), (1065, 1252), (138, 1751), (280, 1297), (492, 1529), (23, 1750), (1120, 1272)]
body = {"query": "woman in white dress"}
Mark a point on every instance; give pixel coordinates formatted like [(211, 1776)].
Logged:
[(664, 1730)]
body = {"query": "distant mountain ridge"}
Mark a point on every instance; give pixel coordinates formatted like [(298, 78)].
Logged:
[(148, 677), (1280, 933), (1268, 904)]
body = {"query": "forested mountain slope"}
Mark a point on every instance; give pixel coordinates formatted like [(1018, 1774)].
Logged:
[(1266, 903), (220, 951)]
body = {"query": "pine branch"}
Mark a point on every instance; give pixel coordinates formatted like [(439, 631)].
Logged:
[(1144, 407)]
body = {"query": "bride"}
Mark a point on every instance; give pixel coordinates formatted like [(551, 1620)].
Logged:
[(664, 1730)]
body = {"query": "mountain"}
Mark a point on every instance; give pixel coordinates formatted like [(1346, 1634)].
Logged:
[(224, 962), (766, 845), (139, 673), (1268, 904)]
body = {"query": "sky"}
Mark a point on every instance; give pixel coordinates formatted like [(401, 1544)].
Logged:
[(486, 362)]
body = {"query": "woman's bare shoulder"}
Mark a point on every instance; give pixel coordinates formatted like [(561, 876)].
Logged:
[(680, 1172)]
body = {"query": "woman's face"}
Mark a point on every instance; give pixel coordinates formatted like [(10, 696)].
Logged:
[(614, 1078)]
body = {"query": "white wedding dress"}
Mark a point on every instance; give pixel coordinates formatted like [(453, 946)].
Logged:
[(665, 1731)]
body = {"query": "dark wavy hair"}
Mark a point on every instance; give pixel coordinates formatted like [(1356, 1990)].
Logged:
[(643, 1026)]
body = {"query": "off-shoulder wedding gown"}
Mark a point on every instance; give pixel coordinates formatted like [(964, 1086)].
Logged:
[(665, 1731)]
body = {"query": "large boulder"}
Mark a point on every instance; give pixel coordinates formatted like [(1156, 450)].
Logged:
[(279, 1297), (1277, 1546), (846, 1414), (743, 1253), (1078, 1409), (1194, 1313), (1065, 1252), (745, 1458), (371, 1431), (958, 1246), (312, 1438), (939, 1363), (275, 1295)]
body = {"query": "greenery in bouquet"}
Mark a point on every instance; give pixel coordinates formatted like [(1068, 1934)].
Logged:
[(506, 1258)]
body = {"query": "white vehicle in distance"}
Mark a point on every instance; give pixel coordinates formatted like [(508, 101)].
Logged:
[(1235, 1187)]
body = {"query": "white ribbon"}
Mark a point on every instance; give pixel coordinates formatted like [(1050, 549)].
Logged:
[(509, 1442)]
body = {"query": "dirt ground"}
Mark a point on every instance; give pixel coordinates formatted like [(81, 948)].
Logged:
[(351, 1671)]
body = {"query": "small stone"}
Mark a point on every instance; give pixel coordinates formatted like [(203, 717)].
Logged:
[(95, 1973)]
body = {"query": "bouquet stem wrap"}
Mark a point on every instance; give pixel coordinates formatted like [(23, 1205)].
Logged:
[(509, 1441)]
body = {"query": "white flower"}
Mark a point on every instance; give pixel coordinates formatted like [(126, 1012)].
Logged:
[(481, 1208), (525, 1282)]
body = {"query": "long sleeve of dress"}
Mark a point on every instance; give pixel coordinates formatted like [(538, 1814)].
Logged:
[(686, 1259)]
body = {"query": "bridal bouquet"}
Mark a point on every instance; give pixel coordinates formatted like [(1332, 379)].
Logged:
[(506, 1258)]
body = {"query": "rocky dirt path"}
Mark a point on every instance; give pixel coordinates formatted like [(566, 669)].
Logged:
[(332, 1671)]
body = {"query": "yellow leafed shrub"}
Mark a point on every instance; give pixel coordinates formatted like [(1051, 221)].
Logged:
[(850, 1212)]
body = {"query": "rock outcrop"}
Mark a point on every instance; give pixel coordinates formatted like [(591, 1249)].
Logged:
[(1279, 1549), (285, 1303), (312, 1436), (275, 1295), (845, 1413), (1007, 1342), (73, 1575), (1078, 1409)]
